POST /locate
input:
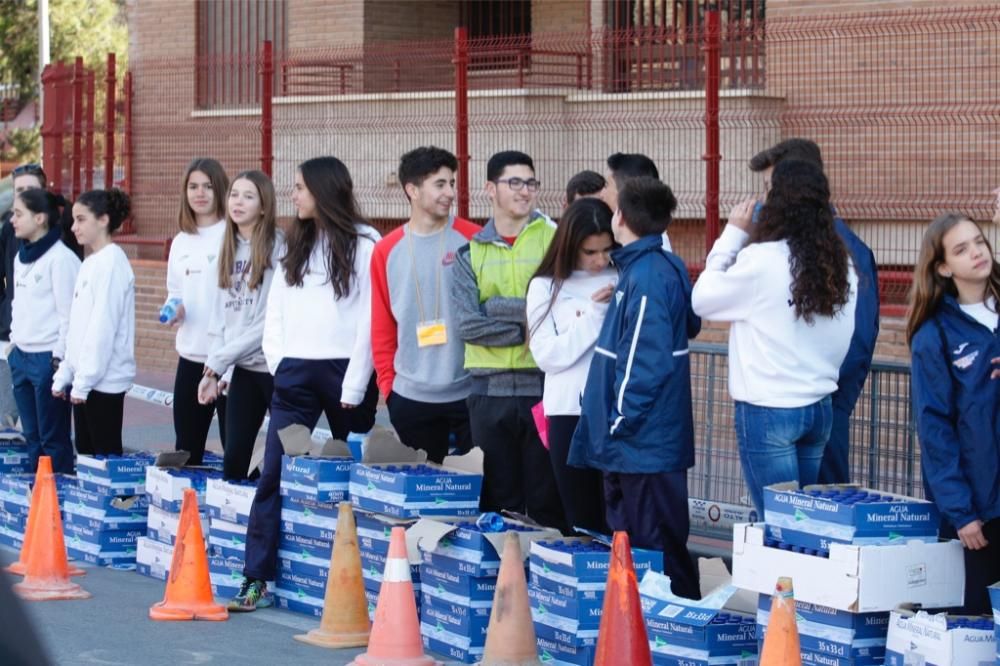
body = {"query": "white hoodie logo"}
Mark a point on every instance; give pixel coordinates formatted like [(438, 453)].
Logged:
[(966, 361)]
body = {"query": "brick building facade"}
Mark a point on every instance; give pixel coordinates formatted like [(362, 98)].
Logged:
[(390, 56)]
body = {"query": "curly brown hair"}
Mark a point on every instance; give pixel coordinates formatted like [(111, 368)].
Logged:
[(798, 211)]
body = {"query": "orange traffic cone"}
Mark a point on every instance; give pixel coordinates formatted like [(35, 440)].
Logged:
[(345, 608), (622, 636), (510, 638), (47, 571), (189, 590), (21, 567), (395, 637), (781, 639)]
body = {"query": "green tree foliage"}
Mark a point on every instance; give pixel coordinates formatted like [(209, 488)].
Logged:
[(87, 28)]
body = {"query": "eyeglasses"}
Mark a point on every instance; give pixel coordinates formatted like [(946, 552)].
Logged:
[(517, 184), (27, 170)]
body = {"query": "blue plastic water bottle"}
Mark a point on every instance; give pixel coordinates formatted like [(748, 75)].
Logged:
[(169, 310), (490, 522)]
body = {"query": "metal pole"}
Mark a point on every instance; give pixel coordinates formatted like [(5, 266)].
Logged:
[(266, 112), (109, 124), (462, 118), (712, 156)]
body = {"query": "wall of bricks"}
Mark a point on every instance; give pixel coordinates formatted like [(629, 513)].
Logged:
[(154, 342)]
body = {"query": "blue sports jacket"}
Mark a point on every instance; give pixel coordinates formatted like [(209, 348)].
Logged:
[(955, 406), (636, 411), (857, 363)]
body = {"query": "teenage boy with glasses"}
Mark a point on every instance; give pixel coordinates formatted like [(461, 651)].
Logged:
[(491, 278)]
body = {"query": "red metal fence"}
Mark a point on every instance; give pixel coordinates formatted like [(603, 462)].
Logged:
[(904, 104)]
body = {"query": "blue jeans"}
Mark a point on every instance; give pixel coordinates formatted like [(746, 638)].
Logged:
[(44, 419), (781, 444)]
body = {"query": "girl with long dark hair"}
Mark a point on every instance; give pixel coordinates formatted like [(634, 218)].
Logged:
[(251, 247), (99, 367), (952, 331), (317, 343), (566, 303), (191, 269), (788, 287), (45, 273)]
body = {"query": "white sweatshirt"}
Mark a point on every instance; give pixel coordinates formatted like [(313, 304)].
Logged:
[(775, 359), (191, 272), (100, 347), (562, 340), (310, 322), (43, 296), (238, 314)]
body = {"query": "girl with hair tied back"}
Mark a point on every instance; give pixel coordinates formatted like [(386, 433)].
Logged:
[(100, 346)]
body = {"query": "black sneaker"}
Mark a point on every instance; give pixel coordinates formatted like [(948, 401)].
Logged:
[(253, 594)]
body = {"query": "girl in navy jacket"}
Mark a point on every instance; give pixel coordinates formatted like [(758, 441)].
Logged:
[(952, 331)]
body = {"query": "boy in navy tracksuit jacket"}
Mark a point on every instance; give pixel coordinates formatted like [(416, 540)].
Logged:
[(636, 423)]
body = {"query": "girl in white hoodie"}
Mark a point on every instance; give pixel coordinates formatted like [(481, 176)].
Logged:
[(44, 274), (100, 347), (566, 303), (251, 248), (317, 342), (788, 287), (191, 272)]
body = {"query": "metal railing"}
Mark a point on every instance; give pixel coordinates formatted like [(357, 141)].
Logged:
[(884, 451)]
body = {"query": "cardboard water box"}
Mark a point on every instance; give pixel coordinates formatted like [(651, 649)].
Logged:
[(668, 655), (306, 545), (847, 513), (15, 521), (854, 578), (11, 538), (125, 473), (373, 568), (415, 489), (581, 563), (165, 486), (470, 589), (995, 602), (457, 614), (85, 551), (375, 530), (15, 489), (226, 539), (162, 525), (302, 521), (109, 540), (437, 638), (14, 460), (472, 546), (853, 625), (97, 511), (298, 602), (311, 507), (917, 637), (226, 575), (304, 563), (153, 558), (320, 479), (574, 614), (830, 642), (557, 648), (230, 500), (699, 626), (300, 584)]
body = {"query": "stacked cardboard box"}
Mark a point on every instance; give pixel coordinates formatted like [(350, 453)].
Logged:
[(228, 506), (15, 503), (567, 582), (917, 637), (104, 513), (853, 555), (311, 489), (458, 573)]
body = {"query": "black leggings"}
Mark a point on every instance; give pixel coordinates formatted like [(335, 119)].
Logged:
[(192, 419), (248, 401), (581, 490), (98, 423)]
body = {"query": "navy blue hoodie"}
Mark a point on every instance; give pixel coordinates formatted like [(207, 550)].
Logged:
[(955, 407), (636, 413)]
